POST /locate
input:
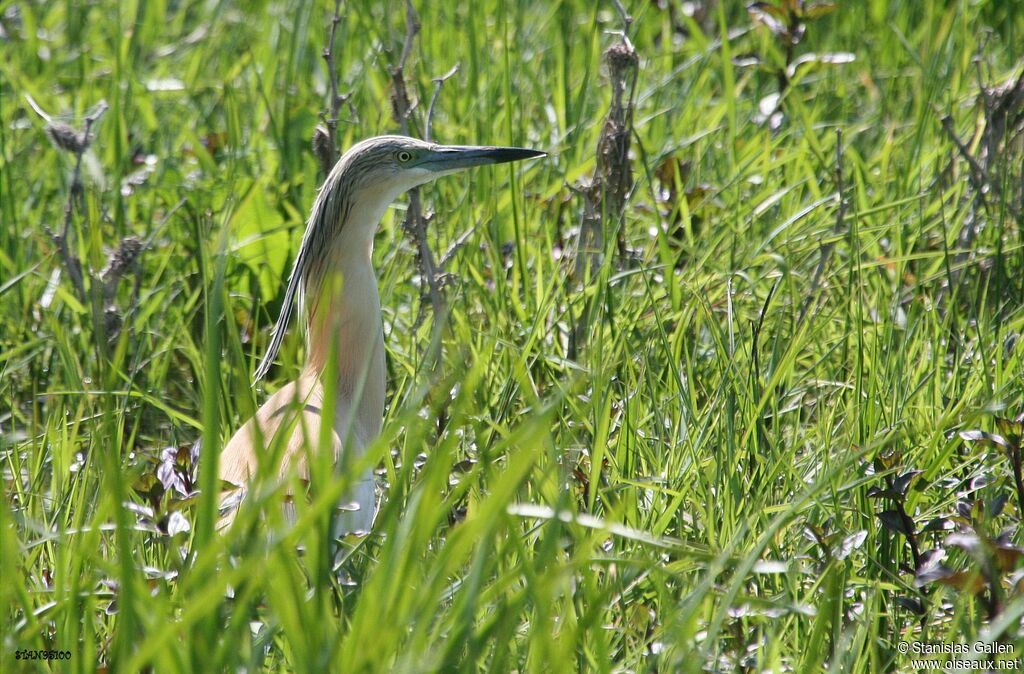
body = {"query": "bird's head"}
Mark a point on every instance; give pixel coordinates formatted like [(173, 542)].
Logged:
[(395, 164), (352, 200)]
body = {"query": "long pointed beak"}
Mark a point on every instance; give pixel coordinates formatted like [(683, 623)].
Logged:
[(455, 157)]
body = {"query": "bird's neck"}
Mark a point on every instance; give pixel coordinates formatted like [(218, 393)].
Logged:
[(344, 322)]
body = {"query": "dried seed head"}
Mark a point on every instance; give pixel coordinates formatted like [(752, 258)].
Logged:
[(66, 138), (323, 148), (620, 56), (123, 258), (321, 141), (112, 322)]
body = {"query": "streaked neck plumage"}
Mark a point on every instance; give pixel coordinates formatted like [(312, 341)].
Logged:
[(342, 312)]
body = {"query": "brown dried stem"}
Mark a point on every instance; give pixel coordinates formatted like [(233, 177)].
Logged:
[(63, 137), (604, 199), (605, 196), (415, 223), (980, 179), (438, 83), (325, 138)]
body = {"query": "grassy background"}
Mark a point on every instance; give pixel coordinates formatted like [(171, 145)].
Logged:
[(692, 482)]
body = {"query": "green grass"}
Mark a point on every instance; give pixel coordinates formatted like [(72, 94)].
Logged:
[(640, 504)]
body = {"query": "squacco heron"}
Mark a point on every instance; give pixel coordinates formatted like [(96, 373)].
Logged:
[(343, 316)]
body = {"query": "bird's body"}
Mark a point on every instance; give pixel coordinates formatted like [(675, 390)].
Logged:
[(335, 287)]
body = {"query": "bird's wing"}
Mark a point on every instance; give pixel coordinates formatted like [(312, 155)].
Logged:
[(286, 426), (290, 416)]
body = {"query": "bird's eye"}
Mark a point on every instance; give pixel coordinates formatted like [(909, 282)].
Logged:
[(404, 156)]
